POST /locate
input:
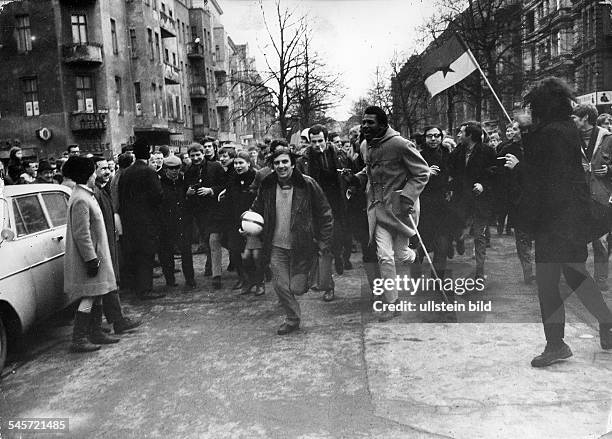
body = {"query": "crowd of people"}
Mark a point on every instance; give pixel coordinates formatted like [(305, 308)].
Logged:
[(547, 179)]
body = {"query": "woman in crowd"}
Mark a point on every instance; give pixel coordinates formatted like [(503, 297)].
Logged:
[(244, 249)]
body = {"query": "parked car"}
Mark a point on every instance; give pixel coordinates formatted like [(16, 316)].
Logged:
[(33, 227)]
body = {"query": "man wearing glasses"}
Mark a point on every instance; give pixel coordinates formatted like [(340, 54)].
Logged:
[(470, 168)]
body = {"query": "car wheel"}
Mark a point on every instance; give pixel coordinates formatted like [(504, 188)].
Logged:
[(3, 345)]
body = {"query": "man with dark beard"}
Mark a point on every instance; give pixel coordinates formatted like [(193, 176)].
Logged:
[(111, 304)]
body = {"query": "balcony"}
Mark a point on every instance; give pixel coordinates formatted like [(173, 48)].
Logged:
[(172, 74), (166, 25), (95, 121), (195, 51), (83, 54), (197, 91)]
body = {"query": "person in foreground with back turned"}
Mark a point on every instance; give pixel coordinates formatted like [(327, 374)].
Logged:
[(556, 209)]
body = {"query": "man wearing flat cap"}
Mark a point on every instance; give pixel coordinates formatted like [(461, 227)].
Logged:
[(140, 195), (173, 223)]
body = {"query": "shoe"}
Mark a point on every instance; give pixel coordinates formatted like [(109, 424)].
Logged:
[(171, 283), (602, 285), (328, 296), (190, 284), (80, 340), (461, 247), (238, 285), (286, 328), (150, 295), (339, 264), (260, 290), (552, 354), (105, 330), (348, 265), (126, 325), (605, 336), (96, 335), (216, 283)]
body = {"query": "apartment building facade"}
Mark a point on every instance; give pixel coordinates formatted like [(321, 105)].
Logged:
[(102, 73)]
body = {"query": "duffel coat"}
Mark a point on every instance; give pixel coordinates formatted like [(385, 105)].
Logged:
[(86, 240), (393, 167)]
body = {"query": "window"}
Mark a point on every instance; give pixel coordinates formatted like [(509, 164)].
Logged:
[(530, 22), (29, 215), (177, 102), (178, 23), (162, 108), (166, 56), (151, 48), (30, 95), (155, 5), (555, 41), (118, 95), (138, 98), (157, 49), (57, 207), (133, 43), (174, 59), (85, 94), (24, 36), (194, 33), (79, 29), (183, 25), (154, 97), (114, 36)]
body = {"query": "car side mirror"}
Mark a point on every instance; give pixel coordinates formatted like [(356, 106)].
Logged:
[(7, 235)]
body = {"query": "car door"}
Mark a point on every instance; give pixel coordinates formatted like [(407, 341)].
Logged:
[(56, 206), (33, 226)]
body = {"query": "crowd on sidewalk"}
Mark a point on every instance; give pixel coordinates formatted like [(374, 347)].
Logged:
[(548, 182)]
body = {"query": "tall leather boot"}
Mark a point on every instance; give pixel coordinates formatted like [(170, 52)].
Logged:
[(96, 335), (80, 332)]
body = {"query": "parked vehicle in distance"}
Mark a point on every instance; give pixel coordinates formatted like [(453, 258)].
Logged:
[(32, 244)]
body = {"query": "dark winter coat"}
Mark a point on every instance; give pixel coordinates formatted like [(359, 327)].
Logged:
[(555, 204), (238, 199), (173, 201), (479, 169), (140, 195), (311, 221), (206, 174), (434, 218)]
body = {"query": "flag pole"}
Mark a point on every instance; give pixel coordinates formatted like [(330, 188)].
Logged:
[(484, 76)]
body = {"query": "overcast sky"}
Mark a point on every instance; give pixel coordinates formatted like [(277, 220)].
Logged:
[(353, 36)]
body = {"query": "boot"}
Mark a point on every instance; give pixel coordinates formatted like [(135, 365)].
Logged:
[(80, 342), (96, 335)]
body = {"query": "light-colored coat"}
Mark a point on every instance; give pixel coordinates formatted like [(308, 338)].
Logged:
[(394, 169), (86, 240)]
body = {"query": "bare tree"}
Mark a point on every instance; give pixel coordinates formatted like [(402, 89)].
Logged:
[(315, 89), (410, 97), (294, 82)]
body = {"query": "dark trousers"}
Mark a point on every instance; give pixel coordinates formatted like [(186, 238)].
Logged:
[(139, 258), (549, 248), (112, 307), (439, 246), (523, 249), (170, 237), (480, 226)]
